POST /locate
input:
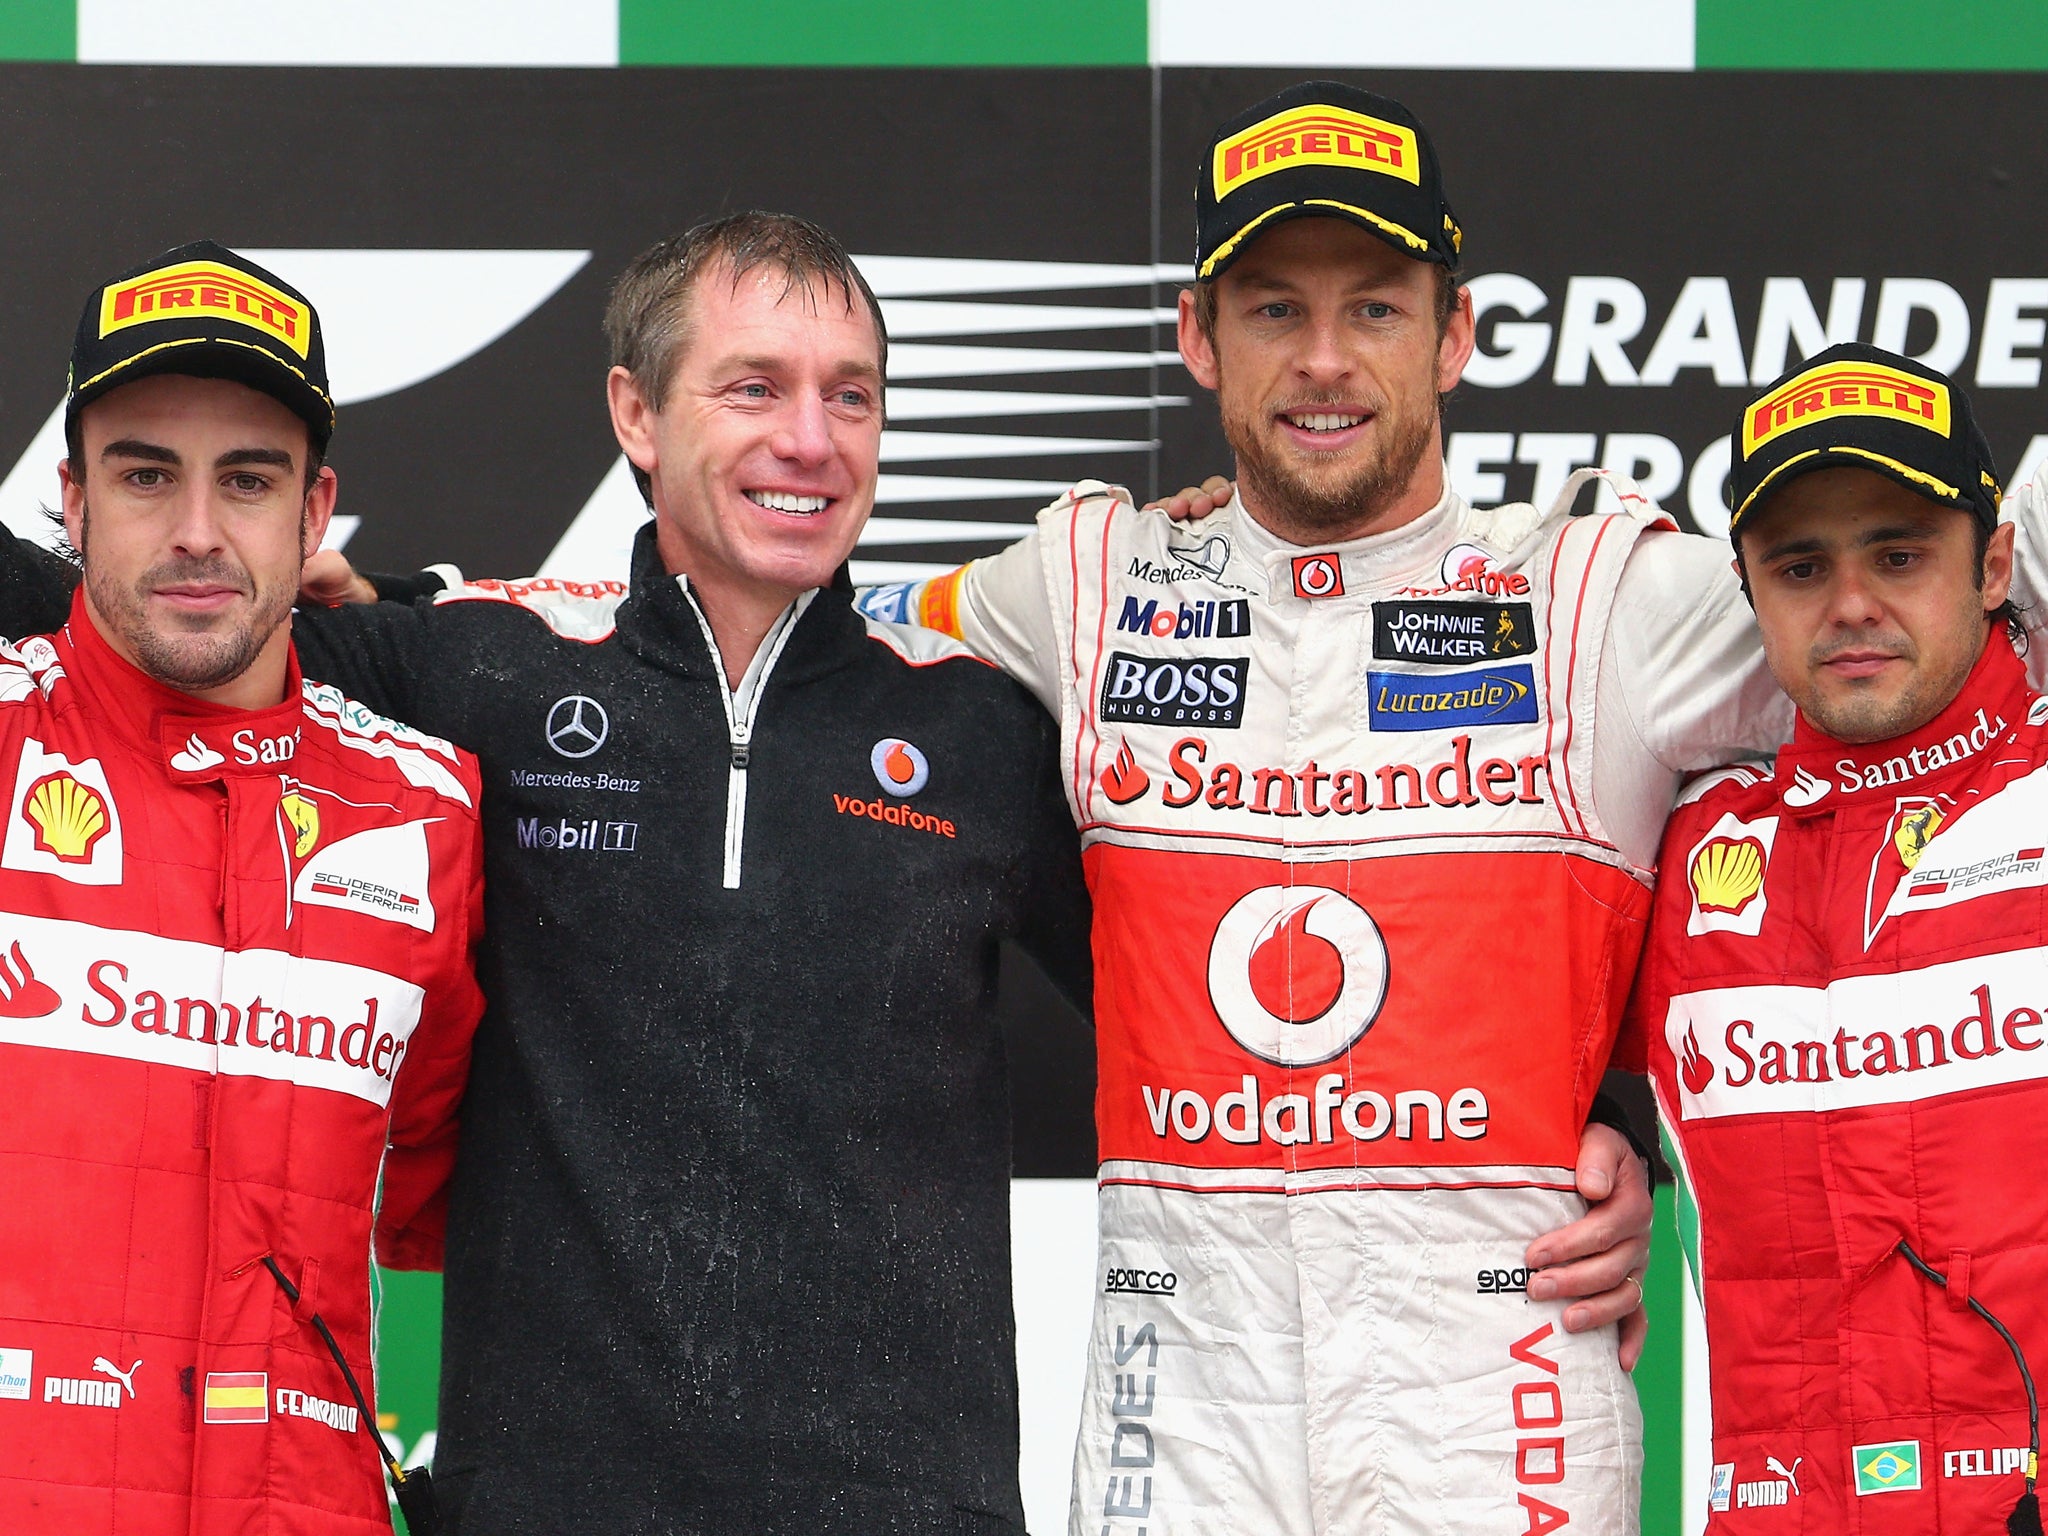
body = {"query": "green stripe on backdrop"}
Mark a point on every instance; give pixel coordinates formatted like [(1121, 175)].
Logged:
[(408, 1359), (39, 29), (1660, 1376), (1872, 34), (883, 32)]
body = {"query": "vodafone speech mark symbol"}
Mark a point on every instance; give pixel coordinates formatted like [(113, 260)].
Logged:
[(1318, 576), (1297, 973)]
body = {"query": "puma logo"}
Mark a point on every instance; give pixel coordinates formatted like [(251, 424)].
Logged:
[(107, 1367)]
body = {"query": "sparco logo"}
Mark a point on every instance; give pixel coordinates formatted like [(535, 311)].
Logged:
[(1221, 620), (577, 726), (566, 836), (1182, 690), (1140, 1282), (1297, 973), (1501, 1282)]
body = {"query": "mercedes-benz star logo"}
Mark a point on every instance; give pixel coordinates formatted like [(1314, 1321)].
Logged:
[(577, 725)]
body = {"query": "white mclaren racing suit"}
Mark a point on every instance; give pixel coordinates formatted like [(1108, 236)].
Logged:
[(1370, 830)]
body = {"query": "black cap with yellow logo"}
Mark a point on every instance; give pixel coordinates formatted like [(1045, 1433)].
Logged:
[(1866, 408), (204, 311), (1320, 148)]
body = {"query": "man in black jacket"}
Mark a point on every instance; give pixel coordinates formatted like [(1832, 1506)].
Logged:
[(729, 1237)]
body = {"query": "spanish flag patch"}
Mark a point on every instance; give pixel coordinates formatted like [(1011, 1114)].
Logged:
[(237, 1397)]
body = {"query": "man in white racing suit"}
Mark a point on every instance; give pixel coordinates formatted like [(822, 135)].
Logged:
[(1370, 784)]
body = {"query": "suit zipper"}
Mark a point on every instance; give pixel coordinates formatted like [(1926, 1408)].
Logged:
[(739, 725)]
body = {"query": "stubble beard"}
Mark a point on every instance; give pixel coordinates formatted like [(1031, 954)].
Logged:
[(1322, 506), (1862, 718), (192, 660)]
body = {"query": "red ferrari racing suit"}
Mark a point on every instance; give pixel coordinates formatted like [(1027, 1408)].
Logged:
[(1841, 1008), (1369, 830), (235, 984)]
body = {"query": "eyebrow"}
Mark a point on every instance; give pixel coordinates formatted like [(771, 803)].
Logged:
[(1889, 534), (135, 448), (276, 457), (156, 453), (849, 368)]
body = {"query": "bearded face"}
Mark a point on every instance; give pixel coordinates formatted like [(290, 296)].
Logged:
[(1330, 489), (1328, 362)]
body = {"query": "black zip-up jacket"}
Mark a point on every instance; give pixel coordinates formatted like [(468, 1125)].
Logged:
[(728, 1246)]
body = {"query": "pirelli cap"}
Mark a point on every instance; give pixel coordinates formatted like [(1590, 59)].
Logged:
[(1328, 149), (1870, 409), (203, 310)]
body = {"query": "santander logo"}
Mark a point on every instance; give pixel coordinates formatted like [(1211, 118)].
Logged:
[(1693, 1068), (1297, 973), (1123, 780)]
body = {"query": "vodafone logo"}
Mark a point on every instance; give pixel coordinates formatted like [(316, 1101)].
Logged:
[(1318, 576), (899, 767), (1297, 973)]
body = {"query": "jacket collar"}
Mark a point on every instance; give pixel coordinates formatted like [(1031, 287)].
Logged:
[(1820, 773), (1412, 555), (658, 622), (193, 740)]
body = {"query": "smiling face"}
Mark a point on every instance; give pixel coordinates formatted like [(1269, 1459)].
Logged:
[(1870, 598), (764, 454), (193, 517), (1327, 363)]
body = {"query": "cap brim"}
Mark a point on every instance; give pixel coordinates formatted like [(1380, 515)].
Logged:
[(1841, 455), (217, 357), (1399, 236)]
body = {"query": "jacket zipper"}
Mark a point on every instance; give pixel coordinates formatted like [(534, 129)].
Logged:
[(739, 719)]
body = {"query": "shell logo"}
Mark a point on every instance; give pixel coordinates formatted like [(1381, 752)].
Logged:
[(68, 817), (1727, 873)]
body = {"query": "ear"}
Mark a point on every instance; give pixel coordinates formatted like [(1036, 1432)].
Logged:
[(1461, 333), (320, 499), (72, 492), (1998, 566), (1196, 349), (632, 419)]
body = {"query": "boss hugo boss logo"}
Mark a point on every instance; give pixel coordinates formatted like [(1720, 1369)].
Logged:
[(577, 726), (1176, 690)]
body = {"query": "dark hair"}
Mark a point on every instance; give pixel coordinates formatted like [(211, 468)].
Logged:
[(647, 321)]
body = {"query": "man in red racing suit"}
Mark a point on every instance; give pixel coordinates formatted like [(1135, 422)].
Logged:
[(1843, 995), (235, 979)]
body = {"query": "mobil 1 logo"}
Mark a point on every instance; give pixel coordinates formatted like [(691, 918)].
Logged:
[(1175, 690), (1451, 634)]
